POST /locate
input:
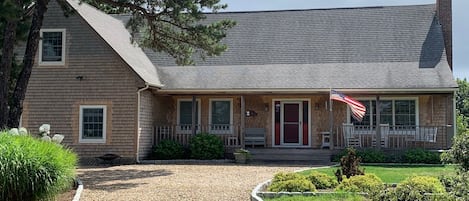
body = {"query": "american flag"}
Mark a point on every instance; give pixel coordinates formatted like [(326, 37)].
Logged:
[(358, 109)]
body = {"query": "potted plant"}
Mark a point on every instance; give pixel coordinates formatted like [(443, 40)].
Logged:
[(242, 155)]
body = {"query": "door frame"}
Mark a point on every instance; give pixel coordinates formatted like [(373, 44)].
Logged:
[(282, 102)]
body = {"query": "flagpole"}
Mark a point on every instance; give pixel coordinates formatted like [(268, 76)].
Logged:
[(331, 119)]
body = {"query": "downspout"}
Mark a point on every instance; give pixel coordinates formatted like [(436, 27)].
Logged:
[(138, 121), (454, 119)]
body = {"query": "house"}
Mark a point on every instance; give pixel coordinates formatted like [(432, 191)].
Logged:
[(109, 96)]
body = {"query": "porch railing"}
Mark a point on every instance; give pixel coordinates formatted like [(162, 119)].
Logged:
[(394, 137), (182, 133)]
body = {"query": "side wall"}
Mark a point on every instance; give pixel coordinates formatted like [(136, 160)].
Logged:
[(55, 93), (146, 124)]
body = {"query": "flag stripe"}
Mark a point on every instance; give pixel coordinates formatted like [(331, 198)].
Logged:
[(357, 108)]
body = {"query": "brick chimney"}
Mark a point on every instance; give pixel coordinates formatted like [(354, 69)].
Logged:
[(444, 13)]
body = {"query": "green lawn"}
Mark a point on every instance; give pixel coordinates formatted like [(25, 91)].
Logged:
[(396, 173), (326, 197)]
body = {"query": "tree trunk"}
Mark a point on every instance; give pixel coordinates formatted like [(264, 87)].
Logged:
[(16, 108), (5, 69)]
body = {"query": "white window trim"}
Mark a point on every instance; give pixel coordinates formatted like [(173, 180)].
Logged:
[(178, 128), (217, 131), (103, 140), (53, 63), (417, 112)]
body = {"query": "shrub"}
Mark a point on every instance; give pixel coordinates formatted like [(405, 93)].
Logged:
[(32, 169), (458, 153), (322, 180), (291, 182), (368, 183), (168, 149), (350, 164), (414, 188), (371, 155), (421, 156), (206, 146), (457, 185)]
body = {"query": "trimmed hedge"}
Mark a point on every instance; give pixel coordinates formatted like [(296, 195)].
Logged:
[(415, 155), (32, 169), (368, 183), (322, 180), (206, 146), (414, 188), (291, 182), (168, 149)]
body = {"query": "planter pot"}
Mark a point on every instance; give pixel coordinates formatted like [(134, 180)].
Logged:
[(241, 157)]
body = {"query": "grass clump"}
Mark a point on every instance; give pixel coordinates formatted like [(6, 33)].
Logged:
[(32, 169)]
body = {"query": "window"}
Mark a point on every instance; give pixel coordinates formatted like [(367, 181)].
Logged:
[(52, 47), (93, 124), (221, 116), (185, 115), (399, 112)]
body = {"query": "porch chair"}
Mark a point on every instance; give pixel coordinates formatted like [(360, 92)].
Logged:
[(384, 128), (351, 139), (423, 134)]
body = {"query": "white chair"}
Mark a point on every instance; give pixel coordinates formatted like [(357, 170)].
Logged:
[(384, 128), (350, 138), (424, 134)]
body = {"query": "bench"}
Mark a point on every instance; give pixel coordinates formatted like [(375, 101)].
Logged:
[(254, 136)]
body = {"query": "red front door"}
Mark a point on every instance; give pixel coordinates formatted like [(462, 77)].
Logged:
[(291, 123)]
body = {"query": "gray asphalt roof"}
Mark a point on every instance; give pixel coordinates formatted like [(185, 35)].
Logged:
[(357, 48), (392, 75), (116, 35), (397, 47)]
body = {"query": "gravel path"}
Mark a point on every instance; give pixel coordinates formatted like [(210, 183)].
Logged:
[(176, 182)]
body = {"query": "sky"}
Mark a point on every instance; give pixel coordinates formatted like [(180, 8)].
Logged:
[(460, 18)]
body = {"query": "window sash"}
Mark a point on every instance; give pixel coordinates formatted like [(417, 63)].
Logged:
[(185, 112), (92, 124), (52, 46), (221, 112), (392, 112)]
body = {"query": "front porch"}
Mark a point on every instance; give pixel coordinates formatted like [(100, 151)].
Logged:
[(346, 135), (301, 122)]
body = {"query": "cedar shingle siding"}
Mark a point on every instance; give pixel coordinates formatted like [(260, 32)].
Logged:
[(55, 94)]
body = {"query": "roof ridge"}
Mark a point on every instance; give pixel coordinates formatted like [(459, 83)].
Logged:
[(315, 9)]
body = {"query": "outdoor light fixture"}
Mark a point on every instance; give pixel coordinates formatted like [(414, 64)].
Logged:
[(266, 107), (251, 113)]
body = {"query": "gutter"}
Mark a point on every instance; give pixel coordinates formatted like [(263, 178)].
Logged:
[(138, 121), (307, 90)]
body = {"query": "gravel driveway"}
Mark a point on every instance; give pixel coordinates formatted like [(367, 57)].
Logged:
[(176, 182)]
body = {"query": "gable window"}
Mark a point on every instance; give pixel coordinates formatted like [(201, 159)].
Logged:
[(399, 113), (221, 116), (52, 47), (185, 115), (93, 124)]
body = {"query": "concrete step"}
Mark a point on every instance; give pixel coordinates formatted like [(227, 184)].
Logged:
[(289, 154)]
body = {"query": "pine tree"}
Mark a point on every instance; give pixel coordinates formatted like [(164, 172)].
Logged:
[(172, 26)]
